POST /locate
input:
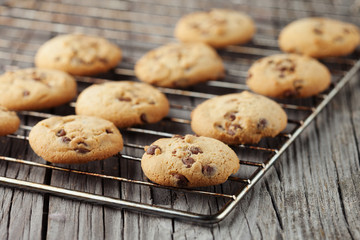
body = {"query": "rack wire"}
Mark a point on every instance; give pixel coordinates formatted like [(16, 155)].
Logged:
[(138, 26)]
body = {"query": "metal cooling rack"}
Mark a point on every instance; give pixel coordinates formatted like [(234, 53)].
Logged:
[(138, 26)]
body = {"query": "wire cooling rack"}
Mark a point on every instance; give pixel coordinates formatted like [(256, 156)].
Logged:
[(138, 26)]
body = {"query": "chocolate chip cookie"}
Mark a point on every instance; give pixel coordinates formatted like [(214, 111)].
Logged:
[(35, 88), (218, 28), (189, 161), (319, 37), (75, 139), (78, 54), (9, 121), (123, 103), (180, 65), (238, 118), (288, 76)]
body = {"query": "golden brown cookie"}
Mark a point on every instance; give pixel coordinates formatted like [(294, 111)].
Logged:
[(238, 118), (179, 65), (124, 103), (319, 37), (78, 54), (218, 28), (288, 76), (75, 139), (9, 121), (189, 161), (35, 88)]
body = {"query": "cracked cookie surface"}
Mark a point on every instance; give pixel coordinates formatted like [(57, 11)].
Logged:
[(319, 37), (35, 88), (9, 121), (124, 103), (288, 76), (238, 118), (78, 54), (179, 65), (189, 161), (75, 139), (217, 28)]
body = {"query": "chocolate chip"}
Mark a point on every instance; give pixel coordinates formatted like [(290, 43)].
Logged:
[(282, 75), (208, 170), (124, 99), (317, 31), (195, 150), (152, 102), (143, 118), (262, 123), (230, 116), (188, 161), (61, 133), (36, 78), (82, 150), (26, 93), (250, 75), (270, 61), (82, 143), (219, 127), (173, 152), (346, 30), (298, 84), (109, 131), (181, 180), (231, 132), (289, 93), (178, 136), (65, 139), (152, 148), (236, 126)]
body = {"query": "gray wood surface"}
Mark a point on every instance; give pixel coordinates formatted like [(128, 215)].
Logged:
[(311, 192)]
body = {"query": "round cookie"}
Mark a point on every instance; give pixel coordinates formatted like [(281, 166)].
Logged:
[(75, 139), (288, 76), (238, 118), (78, 54), (123, 103), (319, 37), (179, 65), (9, 121), (217, 28), (35, 88), (189, 161)]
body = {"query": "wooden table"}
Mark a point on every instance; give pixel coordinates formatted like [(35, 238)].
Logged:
[(311, 193)]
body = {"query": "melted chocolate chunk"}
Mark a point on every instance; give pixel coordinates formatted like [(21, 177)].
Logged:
[(82, 143), (179, 136), (61, 133), (262, 123), (173, 152), (103, 60), (219, 127), (109, 131), (195, 150), (26, 93), (317, 31), (230, 116), (188, 161), (82, 150), (65, 139), (124, 99), (181, 180), (208, 170), (143, 118), (231, 132), (289, 93), (236, 126), (151, 149)]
